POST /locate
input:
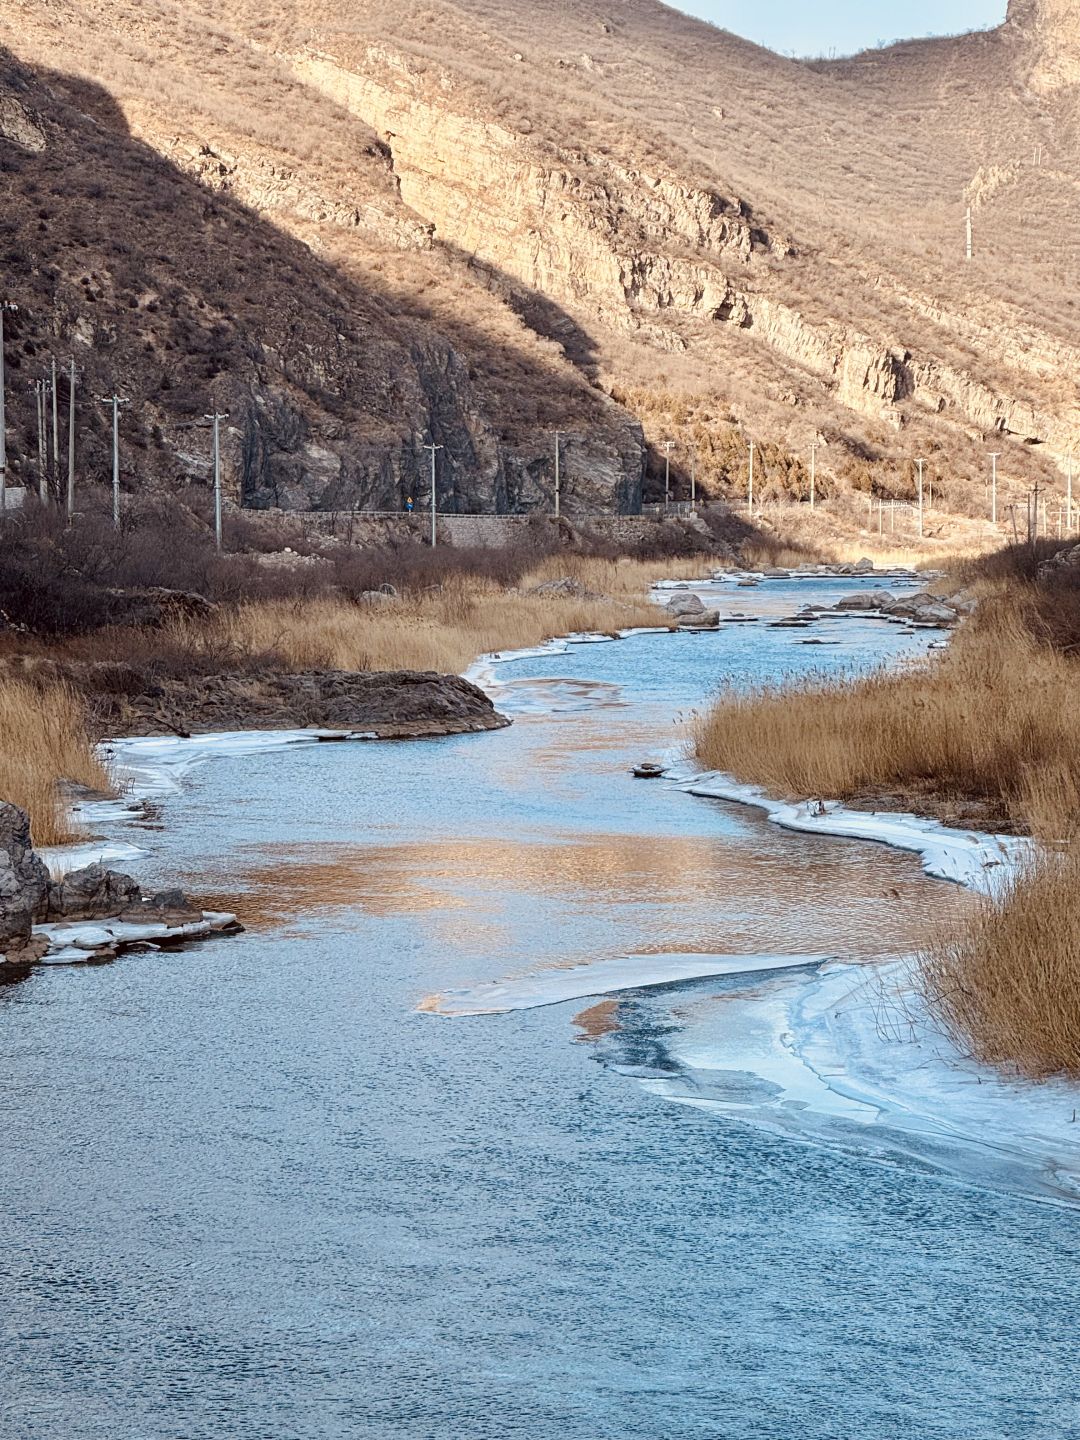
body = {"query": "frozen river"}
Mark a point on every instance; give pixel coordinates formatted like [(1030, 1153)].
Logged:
[(259, 1190)]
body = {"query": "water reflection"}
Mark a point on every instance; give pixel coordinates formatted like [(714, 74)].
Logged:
[(693, 894)]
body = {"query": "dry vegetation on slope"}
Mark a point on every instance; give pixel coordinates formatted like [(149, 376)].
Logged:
[(618, 193)]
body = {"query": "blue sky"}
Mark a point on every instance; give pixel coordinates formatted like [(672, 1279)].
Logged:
[(818, 27)]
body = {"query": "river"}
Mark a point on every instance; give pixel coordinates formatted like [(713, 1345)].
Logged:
[(254, 1189)]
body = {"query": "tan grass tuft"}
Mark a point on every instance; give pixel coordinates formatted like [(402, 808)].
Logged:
[(993, 720), (1007, 989), (43, 740)]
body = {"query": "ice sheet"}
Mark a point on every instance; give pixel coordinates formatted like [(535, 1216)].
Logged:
[(74, 942), (61, 860), (847, 1057), (605, 977)]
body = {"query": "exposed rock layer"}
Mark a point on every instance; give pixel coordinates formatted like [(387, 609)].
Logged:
[(391, 705), (510, 204)]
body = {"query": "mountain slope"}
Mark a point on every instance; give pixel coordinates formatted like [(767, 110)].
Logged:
[(724, 239), (183, 299)]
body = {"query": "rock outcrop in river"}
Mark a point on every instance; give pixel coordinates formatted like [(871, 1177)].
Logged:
[(24, 884), (390, 705), (40, 916)]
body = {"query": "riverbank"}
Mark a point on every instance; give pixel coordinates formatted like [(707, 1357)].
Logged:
[(987, 734)]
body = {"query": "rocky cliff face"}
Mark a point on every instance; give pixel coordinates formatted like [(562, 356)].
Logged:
[(331, 393), (486, 215), (1051, 31)]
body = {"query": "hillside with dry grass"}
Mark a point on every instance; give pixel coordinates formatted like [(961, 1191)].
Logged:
[(609, 212)]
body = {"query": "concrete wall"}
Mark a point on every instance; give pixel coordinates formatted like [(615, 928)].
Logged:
[(495, 532)]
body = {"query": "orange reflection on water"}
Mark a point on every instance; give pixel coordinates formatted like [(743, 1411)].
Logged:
[(688, 894), (598, 1020)]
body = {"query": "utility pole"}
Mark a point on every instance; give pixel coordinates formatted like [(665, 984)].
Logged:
[(693, 482), (55, 434), (813, 473), (1033, 517), (71, 443), (115, 401), (920, 464), (216, 420), (434, 451), (970, 236), (5, 308), (751, 484), (1068, 500), (42, 457), (558, 477), (994, 458), (668, 444)]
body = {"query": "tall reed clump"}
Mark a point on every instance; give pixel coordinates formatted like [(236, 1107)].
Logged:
[(1007, 987), (444, 629), (993, 720), (43, 740)]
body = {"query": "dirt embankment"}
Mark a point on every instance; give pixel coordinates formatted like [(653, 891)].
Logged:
[(124, 700)]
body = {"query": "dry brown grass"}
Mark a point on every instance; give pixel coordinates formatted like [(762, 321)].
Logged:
[(43, 740), (444, 630), (994, 720), (1007, 988)]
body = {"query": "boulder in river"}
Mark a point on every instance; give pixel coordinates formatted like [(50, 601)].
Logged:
[(686, 604), (866, 600), (98, 893)]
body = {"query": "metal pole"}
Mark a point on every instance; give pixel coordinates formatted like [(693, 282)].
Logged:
[(116, 461), (920, 464), (71, 444), (880, 517), (217, 482), (1068, 502), (558, 477), (434, 533), (667, 471), (813, 473), (215, 420), (3, 423), (55, 434), (994, 458), (115, 401), (693, 481), (751, 486)]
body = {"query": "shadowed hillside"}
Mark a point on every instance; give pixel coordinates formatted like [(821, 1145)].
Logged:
[(182, 298), (728, 242)]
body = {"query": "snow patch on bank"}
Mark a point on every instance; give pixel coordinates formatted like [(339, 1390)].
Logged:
[(982, 863)]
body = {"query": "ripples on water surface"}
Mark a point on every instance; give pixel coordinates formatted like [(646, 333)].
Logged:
[(250, 1191)]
